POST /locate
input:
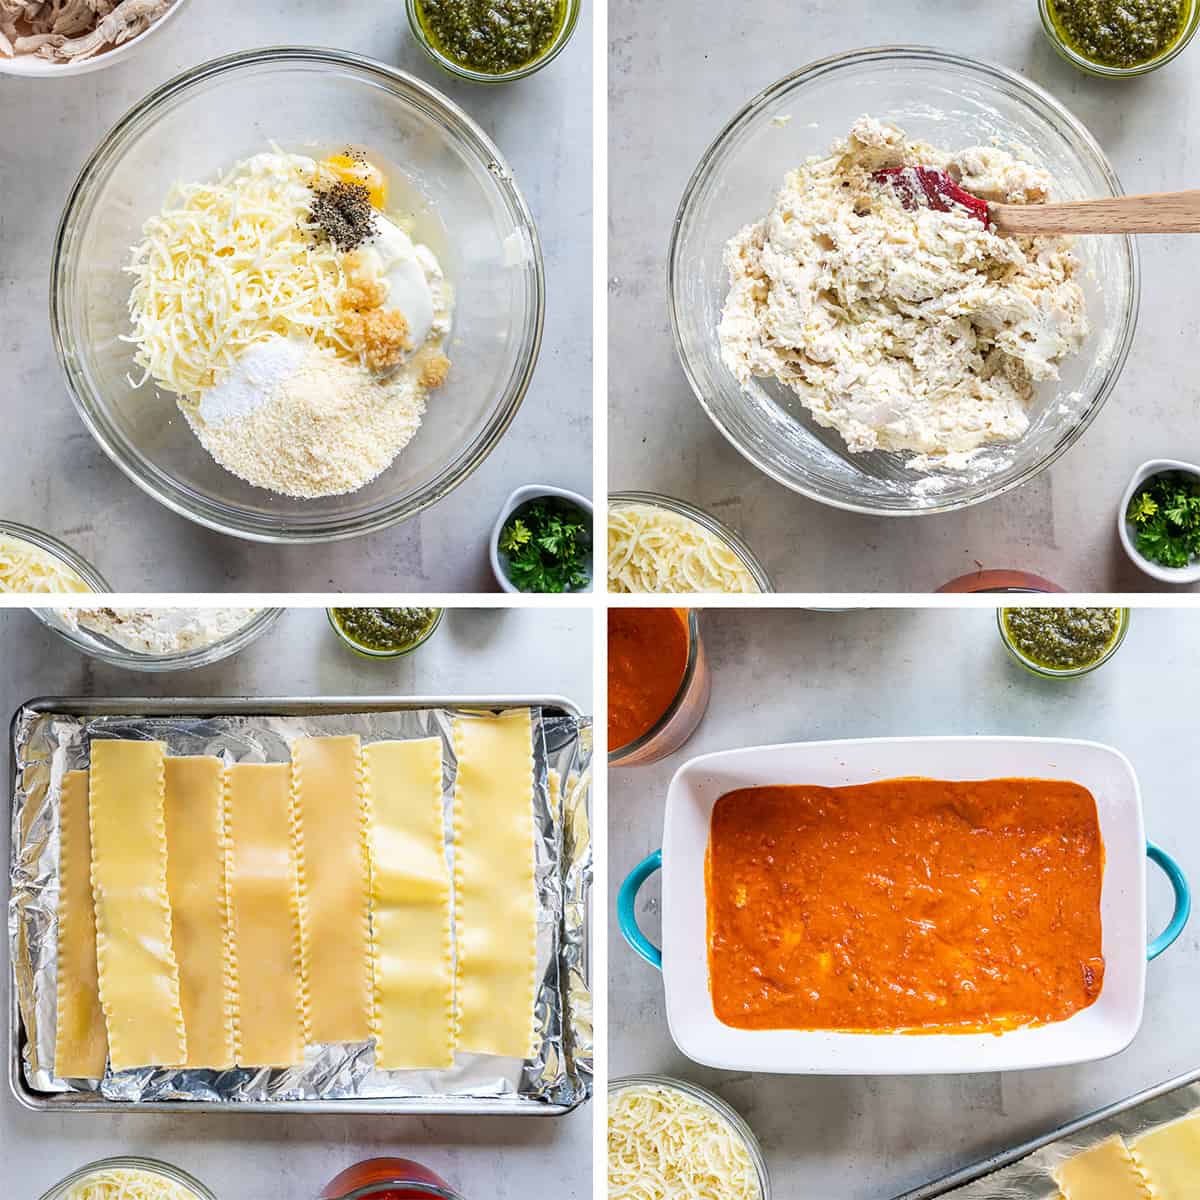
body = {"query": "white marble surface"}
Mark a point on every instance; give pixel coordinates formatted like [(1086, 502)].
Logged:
[(292, 1158), (784, 675), (673, 84), (53, 475)]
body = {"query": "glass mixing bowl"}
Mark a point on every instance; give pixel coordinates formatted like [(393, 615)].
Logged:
[(946, 100), (95, 645), (467, 208)]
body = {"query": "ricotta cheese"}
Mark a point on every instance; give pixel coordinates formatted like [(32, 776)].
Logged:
[(906, 330)]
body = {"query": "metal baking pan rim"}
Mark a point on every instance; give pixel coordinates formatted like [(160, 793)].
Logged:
[(256, 706), (981, 1168)]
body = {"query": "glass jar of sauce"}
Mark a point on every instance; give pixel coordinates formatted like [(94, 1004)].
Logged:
[(658, 682), (1000, 581), (388, 1179)]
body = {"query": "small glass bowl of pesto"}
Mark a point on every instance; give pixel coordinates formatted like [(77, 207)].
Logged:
[(1062, 643), (492, 41), (1116, 39), (384, 632)]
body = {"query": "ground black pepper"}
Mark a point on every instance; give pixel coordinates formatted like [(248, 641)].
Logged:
[(343, 213)]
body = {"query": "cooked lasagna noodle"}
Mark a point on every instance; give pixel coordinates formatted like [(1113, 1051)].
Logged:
[(496, 903), (194, 802), (330, 824), (138, 973), (413, 1021), (27, 569), (665, 1145), (1106, 1171), (1169, 1158), (263, 916), (80, 1043), (903, 328), (653, 550), (909, 904), (128, 1183)]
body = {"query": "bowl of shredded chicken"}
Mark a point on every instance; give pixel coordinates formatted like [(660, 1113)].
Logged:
[(53, 38)]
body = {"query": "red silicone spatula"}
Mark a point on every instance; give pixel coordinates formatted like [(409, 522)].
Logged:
[(1158, 212)]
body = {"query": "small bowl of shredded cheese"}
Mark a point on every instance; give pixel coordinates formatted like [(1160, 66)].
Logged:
[(659, 544), (129, 1179), (32, 562), (668, 1139)]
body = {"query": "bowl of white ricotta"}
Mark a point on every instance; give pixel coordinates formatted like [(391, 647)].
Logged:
[(885, 356), (297, 295)]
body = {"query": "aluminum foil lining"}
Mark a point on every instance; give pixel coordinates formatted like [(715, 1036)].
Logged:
[(1032, 1177), (48, 744)]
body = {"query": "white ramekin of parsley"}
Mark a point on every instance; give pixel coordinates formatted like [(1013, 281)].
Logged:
[(542, 541), (1159, 520)]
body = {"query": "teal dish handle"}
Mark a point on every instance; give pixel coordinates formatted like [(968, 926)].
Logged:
[(1183, 900), (627, 909)]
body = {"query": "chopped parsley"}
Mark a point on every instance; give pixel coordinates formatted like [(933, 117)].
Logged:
[(547, 547), (1165, 515)]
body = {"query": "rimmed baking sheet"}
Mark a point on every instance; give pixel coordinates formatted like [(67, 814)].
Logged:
[(51, 736), (1024, 1172)]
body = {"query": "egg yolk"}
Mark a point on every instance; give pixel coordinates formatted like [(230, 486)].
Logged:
[(351, 170)]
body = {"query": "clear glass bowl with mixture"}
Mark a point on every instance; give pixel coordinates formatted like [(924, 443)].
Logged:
[(948, 101), (97, 646), (469, 210)]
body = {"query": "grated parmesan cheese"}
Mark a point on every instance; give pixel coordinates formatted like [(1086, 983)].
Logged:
[(666, 1145), (26, 568), (125, 1183), (653, 550), (227, 265)]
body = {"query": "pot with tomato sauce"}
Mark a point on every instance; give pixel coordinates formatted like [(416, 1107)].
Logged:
[(658, 682), (388, 1179)]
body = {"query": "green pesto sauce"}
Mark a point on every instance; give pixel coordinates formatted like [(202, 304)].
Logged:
[(1120, 33), (385, 629), (1062, 639), (492, 36)]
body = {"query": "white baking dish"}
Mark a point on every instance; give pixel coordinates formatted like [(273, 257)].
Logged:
[(1104, 1028)]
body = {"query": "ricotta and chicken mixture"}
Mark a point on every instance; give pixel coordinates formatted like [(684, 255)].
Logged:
[(295, 319), (903, 329)]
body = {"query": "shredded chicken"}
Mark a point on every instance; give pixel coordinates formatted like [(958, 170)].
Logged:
[(67, 31)]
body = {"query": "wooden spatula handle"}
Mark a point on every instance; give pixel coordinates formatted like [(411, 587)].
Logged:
[(1158, 212)]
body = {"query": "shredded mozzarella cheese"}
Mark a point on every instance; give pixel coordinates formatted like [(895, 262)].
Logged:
[(227, 265), (124, 1183), (653, 550), (25, 568), (665, 1145)]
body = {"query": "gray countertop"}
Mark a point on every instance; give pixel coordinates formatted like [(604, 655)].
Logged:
[(292, 1158), (54, 476), (782, 675), (673, 84)]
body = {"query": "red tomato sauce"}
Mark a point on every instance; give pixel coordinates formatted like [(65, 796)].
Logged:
[(908, 904), (647, 658)]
